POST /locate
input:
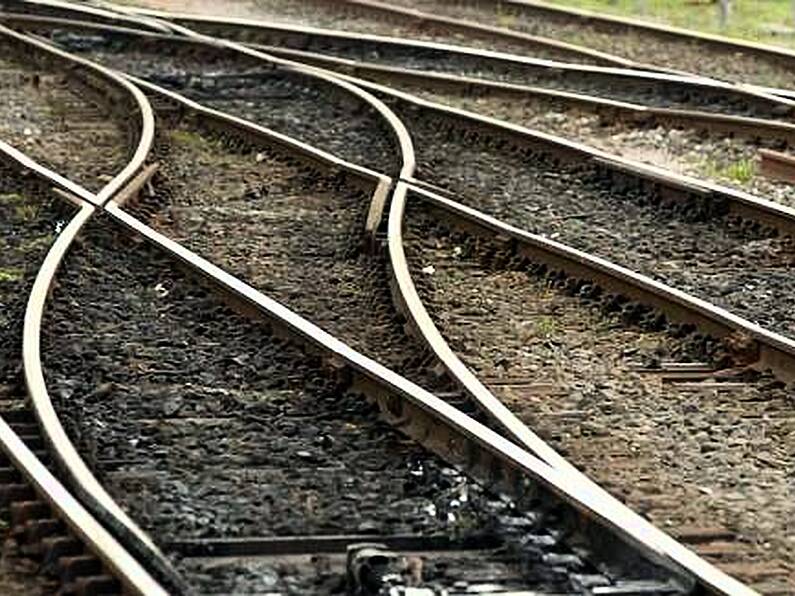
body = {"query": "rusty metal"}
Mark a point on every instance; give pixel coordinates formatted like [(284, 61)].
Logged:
[(777, 165), (775, 352), (445, 430)]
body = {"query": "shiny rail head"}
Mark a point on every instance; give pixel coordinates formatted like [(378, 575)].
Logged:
[(593, 504), (81, 480), (776, 351)]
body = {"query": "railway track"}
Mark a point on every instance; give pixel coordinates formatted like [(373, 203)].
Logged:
[(483, 174), (569, 361), (563, 567), (335, 378), (760, 64), (278, 94), (727, 156), (357, 54), (61, 542), (587, 37), (246, 444), (50, 115)]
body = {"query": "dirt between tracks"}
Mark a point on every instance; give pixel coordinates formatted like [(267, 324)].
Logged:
[(203, 425), (684, 455), (51, 120)]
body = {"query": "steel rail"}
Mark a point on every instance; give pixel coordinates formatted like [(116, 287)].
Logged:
[(614, 23), (99, 78), (673, 185), (776, 351), (379, 184), (454, 435), (80, 479), (681, 555), (747, 127), (281, 38), (394, 125), (455, 25), (743, 126), (89, 526), (93, 13), (134, 577)]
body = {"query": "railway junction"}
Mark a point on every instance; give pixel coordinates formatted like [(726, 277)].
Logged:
[(419, 298)]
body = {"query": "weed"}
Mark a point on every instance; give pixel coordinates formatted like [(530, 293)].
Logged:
[(7, 275), (740, 172), (185, 137), (545, 327)]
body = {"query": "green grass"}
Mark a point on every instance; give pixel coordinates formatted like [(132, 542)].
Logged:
[(749, 19), (740, 172), (10, 275)]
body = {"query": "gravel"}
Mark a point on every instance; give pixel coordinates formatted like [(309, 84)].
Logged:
[(726, 160), (201, 424), (29, 221), (644, 47), (51, 119), (294, 234), (693, 248), (682, 456), (303, 107)]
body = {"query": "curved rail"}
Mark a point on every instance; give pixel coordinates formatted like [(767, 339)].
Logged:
[(459, 25), (614, 23), (394, 125), (743, 126), (80, 478), (397, 127), (455, 434), (281, 38), (57, 8), (597, 507), (677, 186), (123, 92)]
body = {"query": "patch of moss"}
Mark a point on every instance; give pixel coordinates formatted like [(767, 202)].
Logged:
[(10, 275)]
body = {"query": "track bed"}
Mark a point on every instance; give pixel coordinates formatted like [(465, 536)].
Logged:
[(55, 121), (693, 247), (293, 233), (723, 159), (645, 47), (704, 455), (279, 98), (204, 426), (30, 219)]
